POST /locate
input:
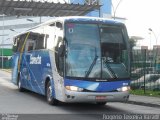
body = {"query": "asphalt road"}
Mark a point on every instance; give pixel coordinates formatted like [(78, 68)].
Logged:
[(29, 105)]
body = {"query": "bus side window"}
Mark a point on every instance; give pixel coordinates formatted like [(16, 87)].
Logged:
[(40, 41), (36, 41), (30, 45), (20, 42), (15, 44)]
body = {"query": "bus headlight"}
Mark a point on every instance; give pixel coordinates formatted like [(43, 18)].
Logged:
[(123, 89), (74, 88)]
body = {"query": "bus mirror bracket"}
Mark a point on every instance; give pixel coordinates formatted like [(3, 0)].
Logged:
[(59, 25)]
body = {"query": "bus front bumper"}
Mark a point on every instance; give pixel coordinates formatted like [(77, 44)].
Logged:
[(73, 96)]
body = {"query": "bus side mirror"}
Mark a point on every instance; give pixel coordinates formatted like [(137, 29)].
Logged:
[(61, 50), (15, 42)]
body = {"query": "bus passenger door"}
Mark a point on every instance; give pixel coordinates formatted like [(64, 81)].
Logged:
[(15, 58)]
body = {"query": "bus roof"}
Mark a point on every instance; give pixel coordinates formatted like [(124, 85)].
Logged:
[(83, 19), (76, 19)]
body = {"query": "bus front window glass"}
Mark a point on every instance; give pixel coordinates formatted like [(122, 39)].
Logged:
[(114, 55), (83, 50), (95, 51)]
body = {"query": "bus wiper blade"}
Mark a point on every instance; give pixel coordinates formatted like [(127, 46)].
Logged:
[(110, 69), (91, 66)]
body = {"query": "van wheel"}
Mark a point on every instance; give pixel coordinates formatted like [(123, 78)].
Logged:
[(50, 99), (20, 85), (101, 103)]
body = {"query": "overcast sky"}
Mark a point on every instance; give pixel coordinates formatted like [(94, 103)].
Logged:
[(141, 15)]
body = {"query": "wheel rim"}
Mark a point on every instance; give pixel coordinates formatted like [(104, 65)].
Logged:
[(49, 93)]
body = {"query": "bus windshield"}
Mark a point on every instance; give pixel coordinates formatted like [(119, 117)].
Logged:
[(95, 51)]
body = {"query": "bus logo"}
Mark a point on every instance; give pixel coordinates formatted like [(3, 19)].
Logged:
[(35, 60)]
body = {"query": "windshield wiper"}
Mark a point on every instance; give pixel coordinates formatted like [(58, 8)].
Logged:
[(92, 65), (110, 69)]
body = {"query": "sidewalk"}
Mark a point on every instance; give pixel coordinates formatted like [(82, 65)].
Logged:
[(6, 70), (144, 100)]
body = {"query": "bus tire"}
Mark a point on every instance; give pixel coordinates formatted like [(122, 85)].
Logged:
[(19, 85), (101, 103), (50, 99)]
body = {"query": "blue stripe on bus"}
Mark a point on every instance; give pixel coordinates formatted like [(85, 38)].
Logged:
[(96, 86)]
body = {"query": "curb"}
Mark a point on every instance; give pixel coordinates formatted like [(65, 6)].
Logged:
[(7, 70), (143, 104)]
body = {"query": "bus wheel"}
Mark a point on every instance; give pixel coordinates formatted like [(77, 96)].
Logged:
[(101, 103), (19, 85), (50, 99)]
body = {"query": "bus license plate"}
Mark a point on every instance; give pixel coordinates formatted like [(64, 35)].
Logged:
[(100, 97)]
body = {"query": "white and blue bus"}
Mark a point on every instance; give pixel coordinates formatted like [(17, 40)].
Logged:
[(74, 59)]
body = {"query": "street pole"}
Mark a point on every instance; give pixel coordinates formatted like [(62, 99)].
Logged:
[(144, 72), (40, 20), (153, 34), (150, 50), (2, 40), (155, 60), (115, 8), (150, 40)]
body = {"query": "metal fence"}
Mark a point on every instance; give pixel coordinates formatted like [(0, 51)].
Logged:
[(145, 70), (5, 63)]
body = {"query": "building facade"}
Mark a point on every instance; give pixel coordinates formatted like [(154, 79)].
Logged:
[(12, 25)]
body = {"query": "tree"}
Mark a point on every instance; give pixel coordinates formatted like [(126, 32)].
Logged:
[(132, 42)]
